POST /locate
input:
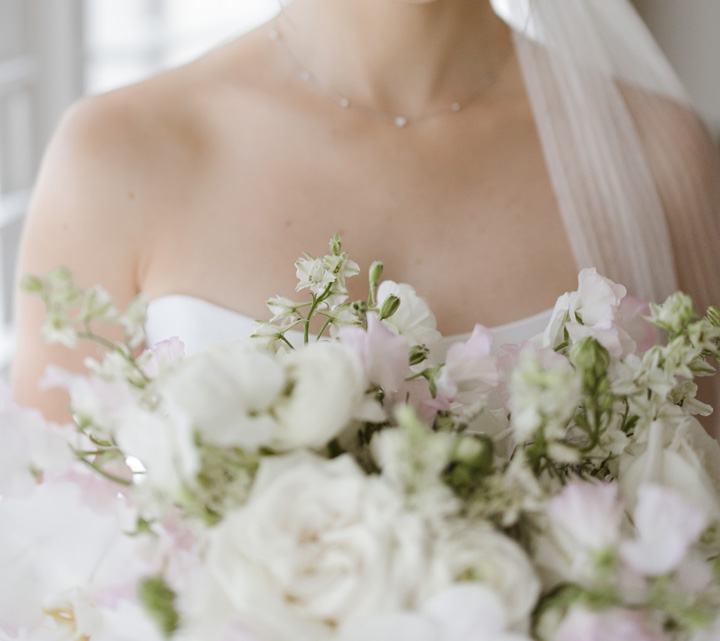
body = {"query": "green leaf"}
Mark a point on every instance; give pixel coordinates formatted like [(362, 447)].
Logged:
[(159, 600)]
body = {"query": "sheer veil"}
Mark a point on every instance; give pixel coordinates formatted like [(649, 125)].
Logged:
[(636, 173)]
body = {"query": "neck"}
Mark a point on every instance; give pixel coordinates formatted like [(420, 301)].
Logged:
[(394, 55)]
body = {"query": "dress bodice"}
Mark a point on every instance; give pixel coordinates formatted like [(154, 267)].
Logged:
[(200, 324)]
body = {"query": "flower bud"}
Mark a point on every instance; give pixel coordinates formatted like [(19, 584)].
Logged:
[(475, 452), (59, 276), (335, 246), (713, 315), (32, 285), (390, 306), (676, 313), (418, 354), (591, 358), (375, 273)]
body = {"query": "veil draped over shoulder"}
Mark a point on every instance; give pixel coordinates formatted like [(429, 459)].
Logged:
[(635, 171)]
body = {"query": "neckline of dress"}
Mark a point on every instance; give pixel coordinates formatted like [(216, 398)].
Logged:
[(535, 319)]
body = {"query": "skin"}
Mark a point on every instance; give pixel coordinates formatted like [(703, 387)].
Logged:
[(211, 179)]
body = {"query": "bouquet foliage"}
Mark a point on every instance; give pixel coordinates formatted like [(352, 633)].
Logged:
[(346, 475)]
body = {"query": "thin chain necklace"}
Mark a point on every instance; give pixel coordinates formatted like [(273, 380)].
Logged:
[(399, 120)]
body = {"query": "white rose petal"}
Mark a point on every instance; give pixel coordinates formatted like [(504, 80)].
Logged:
[(318, 546), (477, 552)]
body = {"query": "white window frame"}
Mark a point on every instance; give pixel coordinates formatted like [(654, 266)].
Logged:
[(49, 68)]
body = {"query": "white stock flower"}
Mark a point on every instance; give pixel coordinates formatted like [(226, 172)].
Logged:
[(545, 393), (413, 318), (667, 526), (318, 547), (464, 612), (476, 552)]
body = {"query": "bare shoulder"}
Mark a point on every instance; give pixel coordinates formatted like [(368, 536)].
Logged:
[(118, 168), (676, 141)]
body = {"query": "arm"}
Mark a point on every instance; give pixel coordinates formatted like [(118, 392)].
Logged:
[(84, 215)]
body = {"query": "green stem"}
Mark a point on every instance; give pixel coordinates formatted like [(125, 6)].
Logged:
[(107, 475), (90, 335), (324, 327), (314, 305)]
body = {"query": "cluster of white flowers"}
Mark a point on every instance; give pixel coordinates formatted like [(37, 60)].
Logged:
[(358, 486)]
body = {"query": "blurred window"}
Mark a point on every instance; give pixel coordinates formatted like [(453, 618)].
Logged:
[(128, 40)]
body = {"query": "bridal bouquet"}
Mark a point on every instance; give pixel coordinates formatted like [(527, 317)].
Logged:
[(340, 476)]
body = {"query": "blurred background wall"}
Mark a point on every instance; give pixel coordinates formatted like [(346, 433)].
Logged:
[(54, 51), (689, 33)]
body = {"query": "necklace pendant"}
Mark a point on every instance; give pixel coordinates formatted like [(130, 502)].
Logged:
[(401, 121)]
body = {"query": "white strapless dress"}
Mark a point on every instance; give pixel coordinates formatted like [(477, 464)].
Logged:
[(200, 324)]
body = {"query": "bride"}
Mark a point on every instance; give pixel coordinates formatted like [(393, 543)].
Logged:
[(484, 151)]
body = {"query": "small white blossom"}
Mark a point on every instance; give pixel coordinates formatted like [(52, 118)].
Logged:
[(57, 328), (312, 273), (675, 313), (545, 393), (134, 320), (284, 310)]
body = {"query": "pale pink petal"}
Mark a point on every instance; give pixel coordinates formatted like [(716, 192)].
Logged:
[(667, 526), (589, 512), (470, 367), (384, 355), (162, 353), (615, 625), (630, 317)]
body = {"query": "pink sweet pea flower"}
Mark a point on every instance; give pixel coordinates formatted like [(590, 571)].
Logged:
[(667, 526), (589, 512), (630, 317), (384, 355), (470, 369), (162, 353), (615, 625), (417, 393)]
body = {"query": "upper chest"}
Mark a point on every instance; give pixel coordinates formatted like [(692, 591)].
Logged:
[(442, 202)]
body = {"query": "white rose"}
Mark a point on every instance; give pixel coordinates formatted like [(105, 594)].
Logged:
[(464, 612), (327, 387), (680, 456), (318, 547), (478, 552), (413, 318)]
